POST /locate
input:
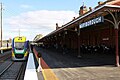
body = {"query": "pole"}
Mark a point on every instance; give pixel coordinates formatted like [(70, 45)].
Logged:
[(19, 32), (1, 28), (78, 47), (1, 24), (79, 56), (83, 3), (116, 42)]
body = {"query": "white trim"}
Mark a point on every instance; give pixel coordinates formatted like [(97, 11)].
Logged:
[(115, 6), (30, 72)]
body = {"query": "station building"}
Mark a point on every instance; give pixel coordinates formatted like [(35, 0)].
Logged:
[(93, 28)]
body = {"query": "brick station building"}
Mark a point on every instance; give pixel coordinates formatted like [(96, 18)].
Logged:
[(93, 27)]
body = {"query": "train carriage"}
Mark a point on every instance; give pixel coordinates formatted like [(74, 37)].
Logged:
[(20, 48)]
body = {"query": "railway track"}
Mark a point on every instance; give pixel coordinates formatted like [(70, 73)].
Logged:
[(4, 67), (4, 57), (21, 73), (13, 71)]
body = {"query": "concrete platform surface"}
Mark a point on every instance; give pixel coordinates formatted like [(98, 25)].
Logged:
[(88, 73), (89, 67)]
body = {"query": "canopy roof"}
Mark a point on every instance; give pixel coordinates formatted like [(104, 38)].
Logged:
[(98, 11), (114, 2)]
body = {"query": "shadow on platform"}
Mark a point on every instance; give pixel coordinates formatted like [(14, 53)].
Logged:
[(56, 59)]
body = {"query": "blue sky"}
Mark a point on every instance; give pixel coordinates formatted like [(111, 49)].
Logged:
[(34, 17)]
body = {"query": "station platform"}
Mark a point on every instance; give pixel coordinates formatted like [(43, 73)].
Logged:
[(47, 73), (58, 66), (3, 49)]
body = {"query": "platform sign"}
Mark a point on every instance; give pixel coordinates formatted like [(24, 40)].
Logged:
[(92, 22)]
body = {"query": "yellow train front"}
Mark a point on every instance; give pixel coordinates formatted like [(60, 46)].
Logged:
[(20, 48)]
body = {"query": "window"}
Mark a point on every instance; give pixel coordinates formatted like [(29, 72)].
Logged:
[(19, 45)]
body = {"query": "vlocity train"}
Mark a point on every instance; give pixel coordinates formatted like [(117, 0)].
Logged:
[(20, 48)]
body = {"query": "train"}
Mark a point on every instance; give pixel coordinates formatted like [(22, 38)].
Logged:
[(20, 48)]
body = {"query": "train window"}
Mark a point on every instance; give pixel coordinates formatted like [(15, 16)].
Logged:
[(19, 45)]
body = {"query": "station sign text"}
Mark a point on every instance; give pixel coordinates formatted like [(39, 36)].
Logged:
[(92, 22)]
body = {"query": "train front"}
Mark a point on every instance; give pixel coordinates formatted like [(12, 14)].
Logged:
[(20, 49)]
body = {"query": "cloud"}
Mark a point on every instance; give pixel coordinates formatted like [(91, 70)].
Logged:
[(39, 22), (25, 6)]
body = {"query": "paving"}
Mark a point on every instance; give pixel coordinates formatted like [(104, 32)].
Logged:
[(88, 67), (40, 76)]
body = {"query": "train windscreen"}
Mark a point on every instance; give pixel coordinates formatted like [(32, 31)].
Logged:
[(19, 45)]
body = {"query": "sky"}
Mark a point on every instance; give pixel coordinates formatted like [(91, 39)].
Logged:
[(33, 17)]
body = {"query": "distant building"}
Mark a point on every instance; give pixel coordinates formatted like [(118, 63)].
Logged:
[(6, 42), (38, 37)]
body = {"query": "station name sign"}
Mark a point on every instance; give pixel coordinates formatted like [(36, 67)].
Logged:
[(92, 22)]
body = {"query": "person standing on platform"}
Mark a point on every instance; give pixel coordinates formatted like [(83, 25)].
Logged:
[(7, 45)]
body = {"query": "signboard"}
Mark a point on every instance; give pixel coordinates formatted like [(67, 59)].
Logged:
[(92, 22), (105, 39)]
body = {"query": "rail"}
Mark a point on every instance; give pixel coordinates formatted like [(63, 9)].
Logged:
[(14, 69), (6, 68), (21, 72), (4, 57)]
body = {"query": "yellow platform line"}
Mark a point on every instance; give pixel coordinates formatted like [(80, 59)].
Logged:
[(47, 72), (49, 75)]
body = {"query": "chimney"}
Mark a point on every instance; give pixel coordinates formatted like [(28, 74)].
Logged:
[(90, 8), (83, 10), (100, 3), (73, 18), (56, 26)]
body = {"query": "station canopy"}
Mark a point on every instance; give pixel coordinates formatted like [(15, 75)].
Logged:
[(100, 10)]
